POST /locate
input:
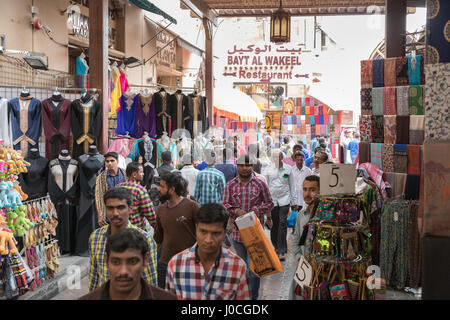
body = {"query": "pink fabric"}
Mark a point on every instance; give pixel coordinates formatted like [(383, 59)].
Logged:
[(289, 161), (377, 175), (123, 82), (121, 146)]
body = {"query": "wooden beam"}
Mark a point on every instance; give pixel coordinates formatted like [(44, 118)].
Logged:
[(209, 71), (98, 62), (395, 28), (202, 10)]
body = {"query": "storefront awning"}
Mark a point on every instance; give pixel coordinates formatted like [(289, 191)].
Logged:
[(150, 7), (238, 103)]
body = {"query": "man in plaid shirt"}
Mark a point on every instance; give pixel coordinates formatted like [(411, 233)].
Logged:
[(118, 202), (244, 194), (210, 181), (142, 208), (208, 271)]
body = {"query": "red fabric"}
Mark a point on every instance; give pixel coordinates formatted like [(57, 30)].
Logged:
[(377, 175), (340, 114), (413, 159)]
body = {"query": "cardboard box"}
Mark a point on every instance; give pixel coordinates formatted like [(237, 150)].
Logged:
[(263, 258)]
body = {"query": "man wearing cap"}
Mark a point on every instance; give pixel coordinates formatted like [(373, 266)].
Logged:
[(166, 157), (189, 173), (210, 182)]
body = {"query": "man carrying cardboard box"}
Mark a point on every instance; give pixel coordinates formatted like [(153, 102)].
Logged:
[(244, 194)]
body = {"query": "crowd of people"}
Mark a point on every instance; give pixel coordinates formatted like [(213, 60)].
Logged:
[(179, 239)]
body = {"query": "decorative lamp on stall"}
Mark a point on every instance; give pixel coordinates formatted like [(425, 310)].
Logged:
[(280, 26)]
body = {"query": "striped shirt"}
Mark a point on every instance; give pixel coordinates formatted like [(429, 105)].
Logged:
[(98, 271), (253, 196), (226, 280), (142, 207), (209, 186)]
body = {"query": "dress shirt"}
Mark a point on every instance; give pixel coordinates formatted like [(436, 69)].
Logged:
[(209, 186), (189, 173), (226, 280), (229, 170), (297, 177), (112, 180), (279, 184)]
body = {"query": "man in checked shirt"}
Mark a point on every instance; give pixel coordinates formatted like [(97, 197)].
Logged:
[(142, 208), (244, 194)]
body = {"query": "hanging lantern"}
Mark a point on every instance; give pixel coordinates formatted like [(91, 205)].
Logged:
[(280, 26)]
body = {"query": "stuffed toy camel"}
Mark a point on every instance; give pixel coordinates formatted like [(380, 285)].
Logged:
[(7, 241)]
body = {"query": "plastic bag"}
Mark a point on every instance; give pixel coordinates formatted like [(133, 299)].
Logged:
[(292, 219)]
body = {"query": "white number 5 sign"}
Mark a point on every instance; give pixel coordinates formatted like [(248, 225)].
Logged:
[(303, 274), (337, 178)]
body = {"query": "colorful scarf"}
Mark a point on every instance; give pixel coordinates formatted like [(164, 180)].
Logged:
[(403, 101), (416, 100), (402, 129), (416, 129), (390, 72), (366, 101), (376, 150), (376, 174), (390, 178), (378, 73), (377, 129), (365, 128), (366, 74), (390, 101), (377, 101), (390, 131), (413, 159), (414, 71), (364, 152), (388, 157), (400, 184), (400, 158), (402, 71), (437, 108)]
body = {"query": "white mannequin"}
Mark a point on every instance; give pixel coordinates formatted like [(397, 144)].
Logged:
[(165, 139), (145, 137)]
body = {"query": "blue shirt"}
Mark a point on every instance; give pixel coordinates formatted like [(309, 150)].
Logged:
[(306, 153), (112, 181), (209, 186), (353, 147), (202, 166), (309, 161), (313, 145), (229, 170)]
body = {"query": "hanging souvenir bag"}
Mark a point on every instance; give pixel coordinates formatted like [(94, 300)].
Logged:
[(309, 292), (323, 291), (325, 241), (353, 289), (348, 211), (349, 240), (326, 209), (340, 291)]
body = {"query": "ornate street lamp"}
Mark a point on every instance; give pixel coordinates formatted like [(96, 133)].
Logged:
[(280, 26)]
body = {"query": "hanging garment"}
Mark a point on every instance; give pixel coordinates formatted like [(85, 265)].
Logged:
[(390, 131), (121, 146), (400, 184), (416, 129), (366, 74), (365, 128), (402, 128), (390, 101), (163, 113), (34, 181), (390, 72), (414, 157), (199, 115), (123, 82), (403, 101), (416, 100), (63, 190), (437, 106), (89, 167), (5, 123), (56, 122), (81, 66), (388, 157), (117, 91), (364, 152), (145, 116), (401, 66), (26, 122), (378, 73), (366, 101), (400, 158), (377, 128), (415, 248), (414, 70), (412, 187), (377, 101), (147, 149), (161, 147), (376, 150), (179, 106), (126, 116), (86, 122)]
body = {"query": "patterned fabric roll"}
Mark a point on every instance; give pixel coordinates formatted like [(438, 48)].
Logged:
[(364, 152), (400, 158), (402, 71), (412, 187), (390, 101), (376, 151), (377, 129), (400, 184), (390, 131), (365, 128), (377, 101), (388, 157), (312, 119), (437, 107), (413, 159), (378, 73), (403, 101), (416, 100), (366, 74), (321, 119), (402, 129), (390, 72), (366, 102), (414, 70), (294, 119), (416, 129)]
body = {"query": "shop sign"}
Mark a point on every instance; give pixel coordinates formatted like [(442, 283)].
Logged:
[(303, 274), (337, 179), (264, 62), (166, 56), (79, 25)]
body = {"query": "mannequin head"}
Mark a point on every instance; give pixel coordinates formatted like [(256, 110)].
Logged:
[(64, 152), (93, 150)]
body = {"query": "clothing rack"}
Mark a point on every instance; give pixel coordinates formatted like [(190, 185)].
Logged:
[(158, 85), (37, 199)]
